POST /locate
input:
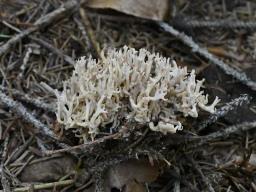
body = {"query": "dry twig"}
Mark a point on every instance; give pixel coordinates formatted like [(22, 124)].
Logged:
[(203, 177), (85, 145), (225, 24), (226, 132), (28, 99), (19, 151), (45, 185), (31, 49), (42, 22), (91, 35), (21, 111), (85, 36), (58, 52), (240, 76), (4, 181), (221, 112), (45, 44)]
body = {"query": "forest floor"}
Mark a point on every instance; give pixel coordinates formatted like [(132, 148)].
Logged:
[(39, 44)]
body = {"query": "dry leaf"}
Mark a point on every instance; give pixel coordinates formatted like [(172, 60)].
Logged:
[(238, 160), (134, 186), (48, 170), (249, 165), (149, 9), (131, 175)]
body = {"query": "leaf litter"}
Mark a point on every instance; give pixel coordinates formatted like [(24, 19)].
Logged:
[(223, 163)]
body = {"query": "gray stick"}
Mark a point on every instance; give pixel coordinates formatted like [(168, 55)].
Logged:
[(241, 76)]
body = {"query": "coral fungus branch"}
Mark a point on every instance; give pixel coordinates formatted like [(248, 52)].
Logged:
[(129, 85)]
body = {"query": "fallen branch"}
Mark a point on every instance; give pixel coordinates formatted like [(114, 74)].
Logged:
[(241, 76), (202, 175), (91, 35), (53, 49), (85, 145), (221, 112), (45, 185), (21, 111), (5, 47), (28, 99), (44, 44), (4, 181), (18, 151), (224, 23), (31, 49), (85, 35), (246, 126), (42, 22)]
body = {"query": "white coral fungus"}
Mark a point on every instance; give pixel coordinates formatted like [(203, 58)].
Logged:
[(127, 84)]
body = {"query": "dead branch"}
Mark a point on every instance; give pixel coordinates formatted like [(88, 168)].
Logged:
[(202, 175), (85, 145), (28, 99), (240, 76), (18, 151), (21, 111), (246, 126), (224, 23), (4, 181), (42, 22), (53, 49), (44, 44), (46, 185), (31, 49), (87, 26), (4, 48), (85, 35), (221, 112)]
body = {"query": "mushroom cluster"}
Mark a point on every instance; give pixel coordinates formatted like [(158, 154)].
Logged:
[(129, 85)]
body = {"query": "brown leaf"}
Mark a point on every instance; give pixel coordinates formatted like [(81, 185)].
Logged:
[(134, 186), (126, 173), (149, 9), (238, 160), (48, 170)]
